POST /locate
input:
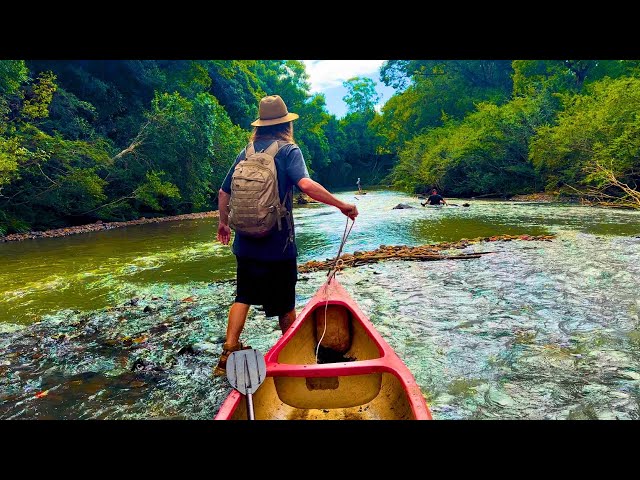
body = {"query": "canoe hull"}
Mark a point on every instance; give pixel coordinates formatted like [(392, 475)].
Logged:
[(366, 381)]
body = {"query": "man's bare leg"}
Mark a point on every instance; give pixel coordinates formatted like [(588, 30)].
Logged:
[(235, 324), (237, 316), (286, 320)]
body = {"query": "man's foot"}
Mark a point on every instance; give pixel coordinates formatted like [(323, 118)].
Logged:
[(221, 368)]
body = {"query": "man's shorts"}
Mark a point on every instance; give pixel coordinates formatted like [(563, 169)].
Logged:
[(271, 284)]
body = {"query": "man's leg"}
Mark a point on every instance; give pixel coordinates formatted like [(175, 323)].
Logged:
[(286, 320), (235, 324), (237, 316), (284, 298)]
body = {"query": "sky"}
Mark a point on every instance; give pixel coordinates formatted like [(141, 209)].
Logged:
[(326, 76)]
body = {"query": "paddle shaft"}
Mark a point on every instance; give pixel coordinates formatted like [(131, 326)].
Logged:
[(250, 411)]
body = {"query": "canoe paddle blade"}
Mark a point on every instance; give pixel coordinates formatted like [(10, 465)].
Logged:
[(246, 370)]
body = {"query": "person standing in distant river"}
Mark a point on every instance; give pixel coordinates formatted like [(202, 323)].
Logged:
[(359, 187), (434, 199)]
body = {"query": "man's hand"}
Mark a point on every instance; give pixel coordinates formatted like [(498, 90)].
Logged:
[(224, 233), (350, 211)]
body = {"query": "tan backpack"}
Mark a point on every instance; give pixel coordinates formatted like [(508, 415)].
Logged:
[(255, 208)]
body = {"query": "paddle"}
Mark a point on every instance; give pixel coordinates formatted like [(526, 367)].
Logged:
[(246, 370)]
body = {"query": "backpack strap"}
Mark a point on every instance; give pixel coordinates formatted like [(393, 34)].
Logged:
[(272, 149), (249, 150), (288, 215)]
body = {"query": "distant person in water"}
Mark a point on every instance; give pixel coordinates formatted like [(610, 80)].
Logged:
[(434, 199), (359, 187)]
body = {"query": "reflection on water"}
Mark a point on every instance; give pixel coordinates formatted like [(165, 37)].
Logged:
[(534, 330)]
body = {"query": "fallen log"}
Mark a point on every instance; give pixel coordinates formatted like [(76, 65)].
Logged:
[(429, 252)]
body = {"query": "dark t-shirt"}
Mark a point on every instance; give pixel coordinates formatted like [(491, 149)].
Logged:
[(291, 169), (435, 199)]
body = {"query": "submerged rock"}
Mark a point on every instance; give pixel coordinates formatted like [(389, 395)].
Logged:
[(206, 347), (402, 206)]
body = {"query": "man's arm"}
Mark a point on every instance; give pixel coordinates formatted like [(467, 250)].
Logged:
[(224, 232), (319, 193)]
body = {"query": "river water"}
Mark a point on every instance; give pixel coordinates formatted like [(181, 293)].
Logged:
[(127, 323)]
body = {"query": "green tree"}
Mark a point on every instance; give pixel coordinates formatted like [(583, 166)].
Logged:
[(13, 73), (432, 91), (361, 94), (596, 135), (485, 153)]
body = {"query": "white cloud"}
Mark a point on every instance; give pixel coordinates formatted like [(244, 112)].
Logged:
[(324, 74)]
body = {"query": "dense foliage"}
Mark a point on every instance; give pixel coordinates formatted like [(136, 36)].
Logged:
[(119, 139), (84, 140), (562, 126)]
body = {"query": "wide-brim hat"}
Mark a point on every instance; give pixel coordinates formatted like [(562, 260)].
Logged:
[(273, 111)]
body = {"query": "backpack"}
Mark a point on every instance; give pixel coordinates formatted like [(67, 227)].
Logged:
[(255, 208)]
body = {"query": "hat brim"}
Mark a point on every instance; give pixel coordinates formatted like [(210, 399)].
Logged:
[(274, 121)]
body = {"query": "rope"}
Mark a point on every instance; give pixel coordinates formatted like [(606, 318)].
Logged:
[(332, 273), (345, 235)]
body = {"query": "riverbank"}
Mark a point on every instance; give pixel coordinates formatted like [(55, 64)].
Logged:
[(100, 225)]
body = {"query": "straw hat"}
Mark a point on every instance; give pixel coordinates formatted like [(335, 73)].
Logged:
[(273, 111)]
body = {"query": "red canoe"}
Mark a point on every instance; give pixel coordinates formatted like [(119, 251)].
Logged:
[(352, 375)]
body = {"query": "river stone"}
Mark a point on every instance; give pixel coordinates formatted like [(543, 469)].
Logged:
[(444, 399), (10, 327), (206, 347), (631, 375), (500, 398), (402, 206), (619, 394), (607, 415), (593, 388)]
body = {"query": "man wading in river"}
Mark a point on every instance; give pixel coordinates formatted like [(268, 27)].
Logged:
[(267, 270), (434, 199)]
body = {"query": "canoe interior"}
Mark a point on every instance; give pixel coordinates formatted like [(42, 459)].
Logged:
[(346, 340), (390, 403), (301, 348)]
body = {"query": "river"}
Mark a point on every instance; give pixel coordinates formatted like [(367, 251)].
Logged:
[(537, 330)]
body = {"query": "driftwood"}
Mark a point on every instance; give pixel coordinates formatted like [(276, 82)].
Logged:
[(422, 253), (612, 192)]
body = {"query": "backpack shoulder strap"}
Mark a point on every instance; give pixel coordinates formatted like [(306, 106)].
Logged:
[(272, 149), (284, 143), (249, 150)]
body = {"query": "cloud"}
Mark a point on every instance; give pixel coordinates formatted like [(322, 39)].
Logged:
[(324, 74)]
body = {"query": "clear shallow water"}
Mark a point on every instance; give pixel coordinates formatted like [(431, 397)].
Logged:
[(94, 270), (534, 330)]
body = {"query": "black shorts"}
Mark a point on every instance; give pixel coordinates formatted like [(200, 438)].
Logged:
[(271, 284)]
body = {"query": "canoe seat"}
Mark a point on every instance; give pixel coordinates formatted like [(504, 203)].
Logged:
[(328, 392)]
